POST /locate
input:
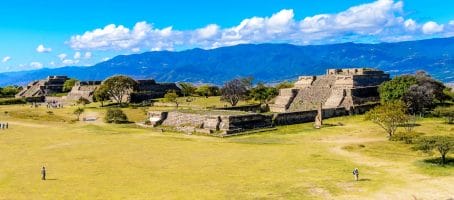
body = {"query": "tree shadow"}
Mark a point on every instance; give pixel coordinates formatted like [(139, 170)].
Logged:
[(437, 161)]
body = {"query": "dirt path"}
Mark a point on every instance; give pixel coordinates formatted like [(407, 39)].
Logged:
[(416, 186)]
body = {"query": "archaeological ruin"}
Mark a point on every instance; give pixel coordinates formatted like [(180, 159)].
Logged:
[(337, 88), (313, 98), (41, 88)]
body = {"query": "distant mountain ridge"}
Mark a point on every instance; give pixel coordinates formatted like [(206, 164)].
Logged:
[(265, 62)]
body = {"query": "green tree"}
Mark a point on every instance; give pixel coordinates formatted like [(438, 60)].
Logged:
[(207, 90), (283, 85), (388, 116), (443, 144), (78, 111), (10, 91), (396, 88), (101, 94), (187, 89), (446, 112), (116, 116), (83, 101), (263, 93), (118, 87), (69, 84), (172, 97)]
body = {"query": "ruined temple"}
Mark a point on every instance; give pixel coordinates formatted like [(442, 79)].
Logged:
[(150, 89), (42, 88), (337, 88), (83, 89)]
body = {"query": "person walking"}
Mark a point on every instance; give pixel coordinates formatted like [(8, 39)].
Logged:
[(356, 174), (43, 173)]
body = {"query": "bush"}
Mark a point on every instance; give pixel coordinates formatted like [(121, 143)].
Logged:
[(12, 101), (406, 137), (116, 116), (446, 112)]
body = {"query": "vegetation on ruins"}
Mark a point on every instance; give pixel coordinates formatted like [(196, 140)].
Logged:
[(171, 97), (78, 111), (116, 116), (283, 85), (445, 112), (101, 94), (235, 90), (442, 144), (207, 91), (389, 116), (69, 84), (118, 87), (263, 93)]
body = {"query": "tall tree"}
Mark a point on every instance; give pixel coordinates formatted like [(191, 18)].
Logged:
[(118, 87), (187, 89), (396, 88), (263, 93), (207, 90), (101, 94), (69, 84), (235, 90), (388, 116)]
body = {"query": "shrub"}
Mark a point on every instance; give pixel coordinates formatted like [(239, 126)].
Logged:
[(406, 137), (12, 101), (116, 116), (446, 112)]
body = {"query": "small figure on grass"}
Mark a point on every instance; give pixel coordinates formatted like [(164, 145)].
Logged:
[(356, 174), (43, 173)]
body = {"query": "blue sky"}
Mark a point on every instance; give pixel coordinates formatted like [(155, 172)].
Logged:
[(55, 33)]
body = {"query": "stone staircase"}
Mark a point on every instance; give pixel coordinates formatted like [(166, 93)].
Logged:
[(310, 97), (283, 100), (335, 99)]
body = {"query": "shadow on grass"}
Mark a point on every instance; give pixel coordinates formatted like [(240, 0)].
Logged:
[(51, 179), (364, 179), (437, 161)]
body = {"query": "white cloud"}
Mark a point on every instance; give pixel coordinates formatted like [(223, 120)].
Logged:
[(70, 62), (77, 55), (380, 20), (432, 27), (410, 25), (36, 65), (105, 59), (52, 63), (62, 56), (42, 49), (6, 59), (87, 55)]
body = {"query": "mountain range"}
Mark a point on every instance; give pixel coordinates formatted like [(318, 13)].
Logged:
[(268, 63)]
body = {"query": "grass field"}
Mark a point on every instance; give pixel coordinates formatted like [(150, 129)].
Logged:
[(102, 161)]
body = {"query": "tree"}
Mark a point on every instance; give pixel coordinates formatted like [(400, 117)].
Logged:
[(118, 87), (69, 84), (101, 94), (263, 93), (10, 91), (187, 89), (389, 116), (396, 88), (419, 99), (434, 87), (171, 96), (78, 111), (446, 112), (83, 101), (443, 144), (207, 90), (116, 116), (234, 91), (283, 85)]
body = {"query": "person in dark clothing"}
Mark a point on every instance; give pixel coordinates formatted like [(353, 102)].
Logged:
[(356, 174), (43, 173)]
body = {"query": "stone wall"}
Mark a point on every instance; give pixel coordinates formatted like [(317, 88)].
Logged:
[(245, 108)]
